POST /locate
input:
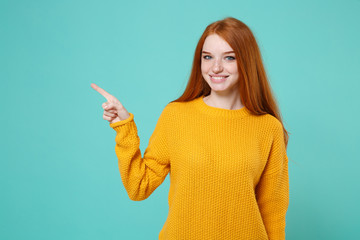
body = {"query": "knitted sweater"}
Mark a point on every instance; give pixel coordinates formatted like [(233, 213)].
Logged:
[(228, 171)]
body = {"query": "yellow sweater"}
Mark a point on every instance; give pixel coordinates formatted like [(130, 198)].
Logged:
[(228, 171)]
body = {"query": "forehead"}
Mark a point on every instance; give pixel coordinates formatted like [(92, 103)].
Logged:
[(214, 43)]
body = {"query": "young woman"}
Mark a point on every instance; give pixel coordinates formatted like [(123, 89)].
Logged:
[(222, 141)]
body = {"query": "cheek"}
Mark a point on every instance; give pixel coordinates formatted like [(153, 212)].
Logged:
[(233, 69), (204, 67)]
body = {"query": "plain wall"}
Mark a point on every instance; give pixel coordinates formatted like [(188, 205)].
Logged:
[(59, 177)]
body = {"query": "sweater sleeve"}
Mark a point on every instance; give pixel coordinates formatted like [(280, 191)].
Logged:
[(272, 191), (141, 175)]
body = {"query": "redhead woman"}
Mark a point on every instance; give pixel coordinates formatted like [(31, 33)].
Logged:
[(222, 142)]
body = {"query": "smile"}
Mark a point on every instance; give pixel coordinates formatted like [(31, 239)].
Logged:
[(218, 79)]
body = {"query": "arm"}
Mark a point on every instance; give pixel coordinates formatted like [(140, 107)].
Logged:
[(272, 191), (141, 176)]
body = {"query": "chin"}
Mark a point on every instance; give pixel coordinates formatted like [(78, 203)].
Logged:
[(220, 87), (220, 90)]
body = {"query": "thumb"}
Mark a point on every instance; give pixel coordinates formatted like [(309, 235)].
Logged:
[(109, 106)]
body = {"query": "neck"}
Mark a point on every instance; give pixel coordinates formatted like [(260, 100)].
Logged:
[(229, 101)]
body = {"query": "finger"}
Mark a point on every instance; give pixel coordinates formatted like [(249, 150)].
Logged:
[(107, 118), (111, 111), (109, 114), (101, 91), (109, 106)]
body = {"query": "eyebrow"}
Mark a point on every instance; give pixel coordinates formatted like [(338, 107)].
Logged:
[(224, 52)]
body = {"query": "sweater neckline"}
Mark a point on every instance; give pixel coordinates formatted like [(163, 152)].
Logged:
[(220, 112)]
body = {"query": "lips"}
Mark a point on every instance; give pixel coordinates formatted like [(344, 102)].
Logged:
[(217, 75), (218, 78)]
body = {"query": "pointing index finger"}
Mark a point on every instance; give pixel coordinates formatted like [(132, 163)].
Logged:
[(101, 91)]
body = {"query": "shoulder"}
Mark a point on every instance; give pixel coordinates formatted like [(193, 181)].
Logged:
[(269, 123), (272, 121), (170, 110), (178, 107), (171, 107)]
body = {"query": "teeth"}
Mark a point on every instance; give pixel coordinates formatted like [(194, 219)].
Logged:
[(218, 77)]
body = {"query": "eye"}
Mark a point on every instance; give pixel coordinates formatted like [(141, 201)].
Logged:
[(207, 57), (230, 58)]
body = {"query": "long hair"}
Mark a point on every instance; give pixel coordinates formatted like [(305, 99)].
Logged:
[(254, 88)]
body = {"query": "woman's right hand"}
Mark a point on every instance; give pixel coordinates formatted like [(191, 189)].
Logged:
[(114, 111)]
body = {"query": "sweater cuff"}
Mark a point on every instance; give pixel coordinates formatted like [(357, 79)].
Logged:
[(117, 125)]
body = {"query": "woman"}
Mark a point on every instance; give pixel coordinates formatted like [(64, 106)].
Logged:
[(222, 141)]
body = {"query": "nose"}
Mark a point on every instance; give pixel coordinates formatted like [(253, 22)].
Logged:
[(217, 66)]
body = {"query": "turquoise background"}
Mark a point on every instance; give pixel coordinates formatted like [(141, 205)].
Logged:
[(59, 177)]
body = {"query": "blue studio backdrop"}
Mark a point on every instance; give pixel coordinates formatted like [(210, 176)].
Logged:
[(59, 177)]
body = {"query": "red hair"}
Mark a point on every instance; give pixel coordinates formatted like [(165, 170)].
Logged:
[(254, 88)]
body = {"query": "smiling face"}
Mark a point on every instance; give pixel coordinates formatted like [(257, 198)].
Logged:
[(218, 65)]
